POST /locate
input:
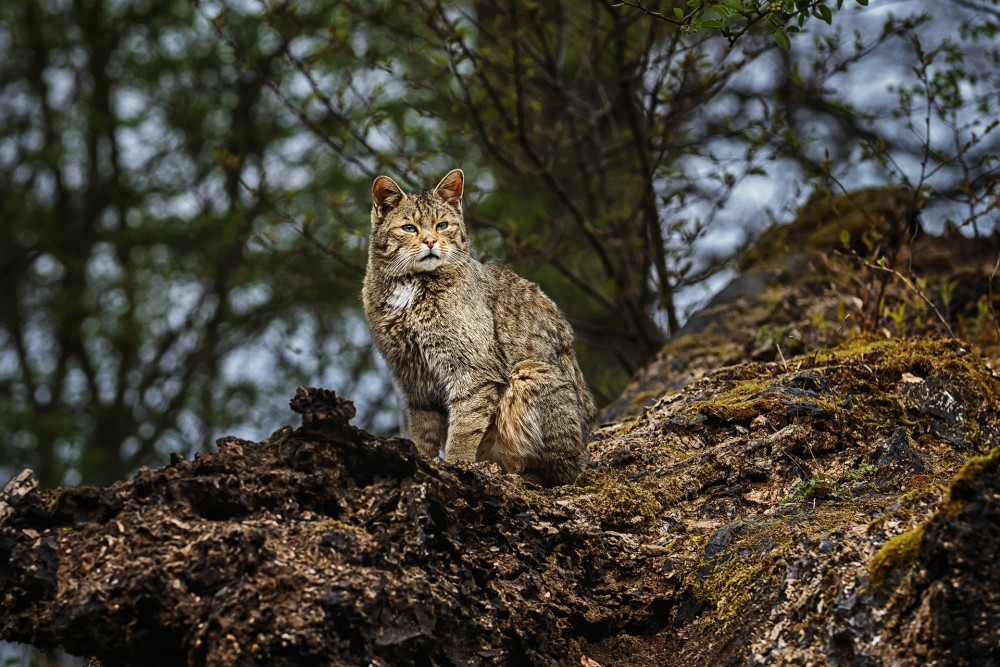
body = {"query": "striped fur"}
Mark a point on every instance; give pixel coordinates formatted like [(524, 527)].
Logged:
[(485, 359)]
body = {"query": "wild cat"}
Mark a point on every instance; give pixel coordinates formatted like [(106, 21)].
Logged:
[(485, 359)]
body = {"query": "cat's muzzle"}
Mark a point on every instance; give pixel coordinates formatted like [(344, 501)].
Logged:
[(429, 253)]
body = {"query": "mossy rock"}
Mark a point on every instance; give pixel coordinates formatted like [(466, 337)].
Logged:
[(860, 221)]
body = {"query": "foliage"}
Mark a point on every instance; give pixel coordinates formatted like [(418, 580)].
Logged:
[(130, 277), (862, 471), (580, 124), (817, 487), (733, 18), (185, 186), (896, 553)]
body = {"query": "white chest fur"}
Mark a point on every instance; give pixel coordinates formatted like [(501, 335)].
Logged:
[(402, 295)]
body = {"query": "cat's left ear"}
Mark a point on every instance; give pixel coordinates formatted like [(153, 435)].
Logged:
[(450, 188)]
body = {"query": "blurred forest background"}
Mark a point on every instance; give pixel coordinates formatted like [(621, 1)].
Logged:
[(185, 184)]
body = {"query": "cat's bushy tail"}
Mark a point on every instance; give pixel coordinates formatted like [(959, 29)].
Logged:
[(540, 425)]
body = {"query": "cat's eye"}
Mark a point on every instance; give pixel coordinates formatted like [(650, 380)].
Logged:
[(409, 228), (441, 226)]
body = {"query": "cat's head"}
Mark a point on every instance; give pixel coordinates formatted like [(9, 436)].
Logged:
[(418, 231)]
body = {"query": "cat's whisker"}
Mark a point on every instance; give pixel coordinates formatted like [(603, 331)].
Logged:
[(399, 262), (459, 253)]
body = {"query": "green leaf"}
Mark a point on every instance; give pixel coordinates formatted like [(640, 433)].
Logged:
[(863, 3), (678, 12), (781, 37), (712, 23), (825, 14)]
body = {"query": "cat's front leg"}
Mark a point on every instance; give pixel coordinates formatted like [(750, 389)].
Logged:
[(428, 430), (469, 418)]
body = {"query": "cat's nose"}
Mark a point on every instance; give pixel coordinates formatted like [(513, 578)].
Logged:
[(429, 241)]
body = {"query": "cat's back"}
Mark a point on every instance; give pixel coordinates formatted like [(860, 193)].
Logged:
[(526, 319), (531, 328)]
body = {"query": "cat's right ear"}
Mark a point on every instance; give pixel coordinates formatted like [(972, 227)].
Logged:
[(386, 196)]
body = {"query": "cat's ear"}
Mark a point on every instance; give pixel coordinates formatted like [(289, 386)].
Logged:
[(386, 195), (450, 188)]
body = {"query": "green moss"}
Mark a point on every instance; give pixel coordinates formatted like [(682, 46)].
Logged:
[(890, 358), (708, 342), (625, 428), (846, 396), (759, 395), (850, 374), (902, 549), (826, 222), (962, 486), (897, 552), (619, 502), (706, 349), (743, 570), (854, 348), (734, 594)]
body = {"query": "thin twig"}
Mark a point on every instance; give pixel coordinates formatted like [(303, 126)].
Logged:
[(784, 364), (916, 290), (650, 12)]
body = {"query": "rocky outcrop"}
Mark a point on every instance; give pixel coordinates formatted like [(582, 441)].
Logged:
[(825, 278), (814, 495), (831, 509)]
